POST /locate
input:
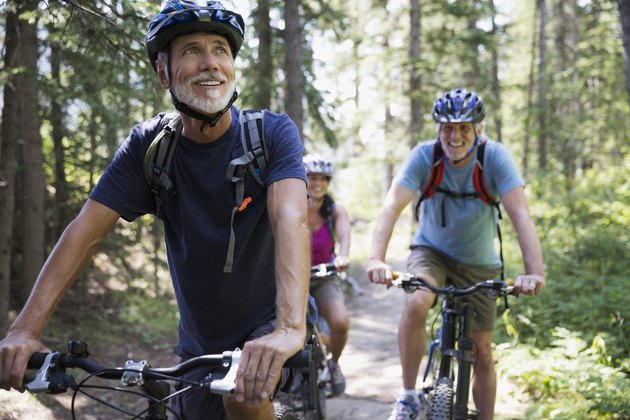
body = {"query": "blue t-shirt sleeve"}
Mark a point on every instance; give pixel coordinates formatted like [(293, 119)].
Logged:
[(122, 187), (501, 172), (413, 174), (284, 149)]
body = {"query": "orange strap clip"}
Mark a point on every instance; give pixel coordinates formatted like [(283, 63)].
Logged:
[(244, 204)]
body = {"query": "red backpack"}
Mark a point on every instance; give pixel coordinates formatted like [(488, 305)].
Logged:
[(437, 172), (481, 191)]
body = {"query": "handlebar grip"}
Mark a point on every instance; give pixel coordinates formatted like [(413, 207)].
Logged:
[(37, 360), (299, 360)]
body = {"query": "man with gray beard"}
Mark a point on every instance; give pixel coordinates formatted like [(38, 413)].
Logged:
[(259, 304)]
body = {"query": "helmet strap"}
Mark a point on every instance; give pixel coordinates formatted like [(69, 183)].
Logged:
[(207, 119)]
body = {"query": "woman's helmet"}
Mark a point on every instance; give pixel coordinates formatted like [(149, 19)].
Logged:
[(318, 166), (457, 106), (184, 16)]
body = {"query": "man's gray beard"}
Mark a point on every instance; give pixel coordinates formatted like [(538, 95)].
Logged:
[(207, 104)]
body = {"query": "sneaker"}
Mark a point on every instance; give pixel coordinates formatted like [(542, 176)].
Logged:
[(337, 380), (406, 408)]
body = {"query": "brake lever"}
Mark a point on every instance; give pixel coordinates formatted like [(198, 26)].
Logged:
[(50, 378), (227, 384)]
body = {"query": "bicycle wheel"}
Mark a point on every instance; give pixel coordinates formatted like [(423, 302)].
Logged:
[(440, 402)]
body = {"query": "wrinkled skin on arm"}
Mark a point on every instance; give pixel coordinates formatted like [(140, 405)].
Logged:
[(262, 359)]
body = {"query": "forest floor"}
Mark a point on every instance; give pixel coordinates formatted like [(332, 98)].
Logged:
[(370, 364)]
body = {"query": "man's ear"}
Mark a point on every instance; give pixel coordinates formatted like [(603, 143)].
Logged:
[(479, 128), (162, 74)]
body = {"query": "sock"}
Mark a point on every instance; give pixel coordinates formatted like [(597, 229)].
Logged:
[(409, 394)]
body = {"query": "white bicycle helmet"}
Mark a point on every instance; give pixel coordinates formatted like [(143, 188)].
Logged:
[(318, 166)]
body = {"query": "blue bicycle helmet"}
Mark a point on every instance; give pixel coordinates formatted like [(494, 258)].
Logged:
[(184, 16), (459, 105)]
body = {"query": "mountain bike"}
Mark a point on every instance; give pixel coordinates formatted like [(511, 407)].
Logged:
[(142, 380), (306, 395), (446, 381)]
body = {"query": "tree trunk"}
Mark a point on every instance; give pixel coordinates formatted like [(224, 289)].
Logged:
[(415, 78), (8, 164), (624, 14), (530, 98), (542, 87), (293, 64), (262, 97), (496, 85), (34, 237), (61, 215)]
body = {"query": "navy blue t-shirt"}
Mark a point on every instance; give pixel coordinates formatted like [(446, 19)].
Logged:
[(217, 310)]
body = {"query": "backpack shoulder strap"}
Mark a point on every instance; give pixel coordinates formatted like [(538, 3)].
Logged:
[(157, 159), (254, 160), (252, 137), (479, 180), (437, 172)]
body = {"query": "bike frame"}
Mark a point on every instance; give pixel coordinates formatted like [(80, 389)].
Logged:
[(455, 345), (454, 342)]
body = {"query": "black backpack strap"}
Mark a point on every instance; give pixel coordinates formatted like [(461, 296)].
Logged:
[(437, 172), (157, 159), (254, 160)]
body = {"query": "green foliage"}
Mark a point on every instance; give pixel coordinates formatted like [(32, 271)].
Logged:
[(568, 379)]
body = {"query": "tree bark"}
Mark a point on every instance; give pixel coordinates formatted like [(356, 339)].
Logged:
[(624, 14), (9, 131), (293, 64), (496, 85), (415, 78), (34, 237), (262, 97), (61, 216), (542, 87)]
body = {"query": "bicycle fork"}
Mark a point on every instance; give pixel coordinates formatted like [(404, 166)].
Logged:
[(461, 353), (464, 361)]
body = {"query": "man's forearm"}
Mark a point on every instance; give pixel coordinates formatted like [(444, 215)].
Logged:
[(71, 254), (288, 216)]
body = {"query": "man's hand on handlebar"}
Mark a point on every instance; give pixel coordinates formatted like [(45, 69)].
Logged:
[(529, 284), (379, 272), (261, 364), (15, 350)]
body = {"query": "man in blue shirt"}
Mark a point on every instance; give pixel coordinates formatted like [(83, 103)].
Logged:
[(260, 303), (455, 241)]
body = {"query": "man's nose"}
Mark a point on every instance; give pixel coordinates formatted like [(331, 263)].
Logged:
[(208, 61)]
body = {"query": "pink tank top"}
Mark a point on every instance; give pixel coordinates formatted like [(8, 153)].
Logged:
[(322, 246)]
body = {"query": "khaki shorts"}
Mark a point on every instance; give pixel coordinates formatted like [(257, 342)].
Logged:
[(325, 289), (443, 269)]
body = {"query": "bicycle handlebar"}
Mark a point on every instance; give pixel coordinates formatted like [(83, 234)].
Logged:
[(410, 283), (51, 376), (324, 270)]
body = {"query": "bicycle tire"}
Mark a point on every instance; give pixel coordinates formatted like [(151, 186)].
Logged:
[(319, 406), (440, 404), (284, 412)]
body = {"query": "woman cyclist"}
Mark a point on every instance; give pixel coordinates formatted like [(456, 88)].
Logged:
[(328, 222)]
